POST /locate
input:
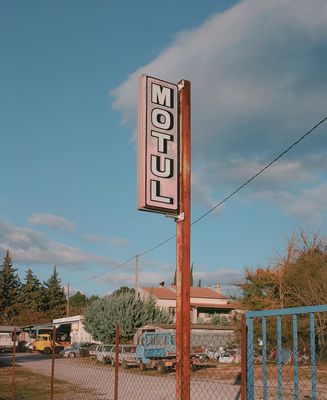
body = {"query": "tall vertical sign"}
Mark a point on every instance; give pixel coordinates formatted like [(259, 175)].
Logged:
[(164, 186), (158, 146)]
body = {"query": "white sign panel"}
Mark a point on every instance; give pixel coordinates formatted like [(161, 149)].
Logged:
[(158, 146)]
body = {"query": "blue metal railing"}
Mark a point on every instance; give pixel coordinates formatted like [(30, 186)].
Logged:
[(278, 314)]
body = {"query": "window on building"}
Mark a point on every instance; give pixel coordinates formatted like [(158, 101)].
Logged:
[(172, 311)]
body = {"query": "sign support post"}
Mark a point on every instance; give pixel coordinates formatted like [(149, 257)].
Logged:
[(183, 230), (164, 186)]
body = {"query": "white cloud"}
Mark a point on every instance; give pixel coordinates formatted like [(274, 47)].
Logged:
[(258, 74), (53, 221), (224, 276), (111, 241), (29, 246), (307, 204)]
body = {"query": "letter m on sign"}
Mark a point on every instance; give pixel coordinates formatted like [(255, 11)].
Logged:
[(158, 146)]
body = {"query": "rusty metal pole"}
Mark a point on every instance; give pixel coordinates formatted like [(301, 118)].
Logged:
[(68, 301), (116, 361), (53, 361), (13, 378), (136, 276), (183, 230), (244, 352)]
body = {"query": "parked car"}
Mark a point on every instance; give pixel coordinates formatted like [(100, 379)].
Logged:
[(214, 352), (103, 353), (76, 350), (126, 355), (71, 351), (93, 350), (230, 356)]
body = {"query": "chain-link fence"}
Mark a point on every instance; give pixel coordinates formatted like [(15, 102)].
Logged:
[(286, 358), (140, 371)]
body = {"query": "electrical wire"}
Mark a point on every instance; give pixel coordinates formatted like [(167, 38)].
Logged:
[(233, 193), (259, 172), (105, 272)]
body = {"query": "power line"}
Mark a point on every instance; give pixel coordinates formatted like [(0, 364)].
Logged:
[(259, 172), (217, 205), (105, 272)]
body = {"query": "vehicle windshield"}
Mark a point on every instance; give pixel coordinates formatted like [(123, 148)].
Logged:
[(106, 348)]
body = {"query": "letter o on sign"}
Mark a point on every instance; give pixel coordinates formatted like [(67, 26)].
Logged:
[(162, 119)]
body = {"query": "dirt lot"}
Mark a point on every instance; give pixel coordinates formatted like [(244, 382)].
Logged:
[(82, 378), (95, 381)]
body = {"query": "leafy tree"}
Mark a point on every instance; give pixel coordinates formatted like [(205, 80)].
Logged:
[(299, 278), (102, 316), (55, 304), (220, 320), (122, 290), (92, 298), (9, 291)]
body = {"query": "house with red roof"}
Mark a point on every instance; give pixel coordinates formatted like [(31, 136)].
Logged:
[(205, 301)]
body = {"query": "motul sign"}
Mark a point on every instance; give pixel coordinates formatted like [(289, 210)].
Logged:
[(158, 146)]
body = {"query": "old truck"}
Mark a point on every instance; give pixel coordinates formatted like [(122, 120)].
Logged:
[(43, 344), (158, 350), (7, 341)]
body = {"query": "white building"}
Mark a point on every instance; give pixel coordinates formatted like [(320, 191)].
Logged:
[(78, 333), (205, 302)]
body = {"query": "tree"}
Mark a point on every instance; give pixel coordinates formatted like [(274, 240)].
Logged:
[(55, 304), (30, 300), (191, 276), (122, 290), (102, 316), (175, 279), (78, 303), (9, 291), (200, 283), (297, 279), (220, 320)]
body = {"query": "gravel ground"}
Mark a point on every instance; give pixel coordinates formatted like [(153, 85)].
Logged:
[(132, 385)]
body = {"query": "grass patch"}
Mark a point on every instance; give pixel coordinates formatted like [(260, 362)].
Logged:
[(32, 386)]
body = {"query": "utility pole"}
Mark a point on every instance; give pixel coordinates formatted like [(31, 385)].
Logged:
[(68, 302), (183, 230), (136, 276)]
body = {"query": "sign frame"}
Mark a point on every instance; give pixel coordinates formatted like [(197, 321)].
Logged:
[(158, 150)]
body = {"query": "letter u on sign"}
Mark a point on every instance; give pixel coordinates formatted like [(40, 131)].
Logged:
[(158, 146)]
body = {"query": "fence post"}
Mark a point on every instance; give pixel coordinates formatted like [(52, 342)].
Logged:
[(116, 362), (13, 378), (53, 361), (243, 367)]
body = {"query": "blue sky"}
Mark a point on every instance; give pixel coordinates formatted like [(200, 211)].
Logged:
[(68, 105)]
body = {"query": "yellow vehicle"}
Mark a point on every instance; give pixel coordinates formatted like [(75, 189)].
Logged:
[(43, 343)]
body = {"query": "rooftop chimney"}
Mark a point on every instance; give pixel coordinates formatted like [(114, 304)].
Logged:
[(217, 288)]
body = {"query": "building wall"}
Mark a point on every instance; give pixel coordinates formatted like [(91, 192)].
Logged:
[(202, 300)]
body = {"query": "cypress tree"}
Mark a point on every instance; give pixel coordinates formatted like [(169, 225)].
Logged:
[(191, 276), (30, 299), (55, 296), (175, 279), (9, 291)]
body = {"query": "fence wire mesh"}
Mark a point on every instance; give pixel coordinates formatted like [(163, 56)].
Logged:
[(88, 371), (286, 359)]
